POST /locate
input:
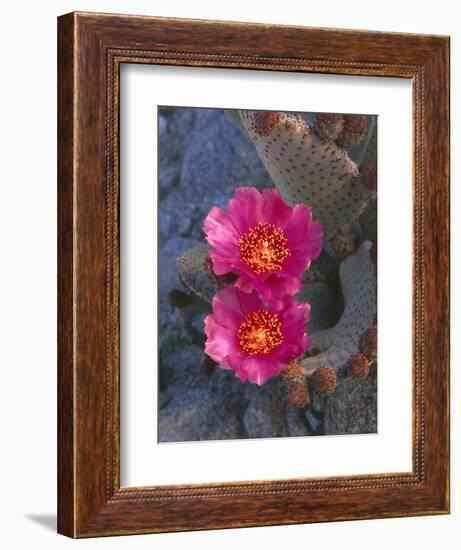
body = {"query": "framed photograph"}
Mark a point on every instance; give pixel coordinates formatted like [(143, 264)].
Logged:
[(253, 275)]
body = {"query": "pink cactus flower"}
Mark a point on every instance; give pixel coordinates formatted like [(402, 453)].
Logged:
[(267, 243), (254, 339)]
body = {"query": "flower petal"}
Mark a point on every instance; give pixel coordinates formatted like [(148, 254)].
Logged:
[(275, 287), (219, 225), (235, 362), (246, 208), (245, 211), (275, 209), (220, 340), (230, 307), (261, 368), (227, 308)]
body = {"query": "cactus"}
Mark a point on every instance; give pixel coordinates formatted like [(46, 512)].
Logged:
[(368, 222), (306, 168), (321, 298), (353, 131), (340, 342), (335, 344), (195, 270), (369, 342), (345, 130), (328, 126), (366, 154), (323, 270), (329, 165), (344, 241)]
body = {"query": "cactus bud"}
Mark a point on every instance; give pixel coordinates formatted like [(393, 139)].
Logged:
[(298, 393), (358, 365), (354, 130), (178, 298), (297, 390), (265, 122), (328, 126), (343, 244), (369, 342), (324, 380), (293, 372)]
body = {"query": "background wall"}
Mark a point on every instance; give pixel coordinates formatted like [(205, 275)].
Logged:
[(28, 270)]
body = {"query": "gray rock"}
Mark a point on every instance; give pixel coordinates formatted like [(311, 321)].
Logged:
[(164, 397), (180, 364), (198, 320), (162, 125), (166, 226), (167, 176), (168, 277), (295, 426), (225, 385), (202, 159), (352, 408), (187, 218), (192, 415), (233, 117), (313, 421), (175, 126), (185, 221), (179, 122), (318, 402), (264, 416), (217, 159)]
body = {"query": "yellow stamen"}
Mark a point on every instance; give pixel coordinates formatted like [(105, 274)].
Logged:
[(260, 332), (264, 247)]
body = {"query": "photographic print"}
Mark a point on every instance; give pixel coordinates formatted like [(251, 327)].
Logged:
[(267, 263), (217, 275)]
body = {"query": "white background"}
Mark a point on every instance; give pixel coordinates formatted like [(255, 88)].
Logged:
[(142, 89), (28, 272)]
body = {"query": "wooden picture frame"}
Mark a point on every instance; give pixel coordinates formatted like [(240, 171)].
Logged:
[(92, 48)]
